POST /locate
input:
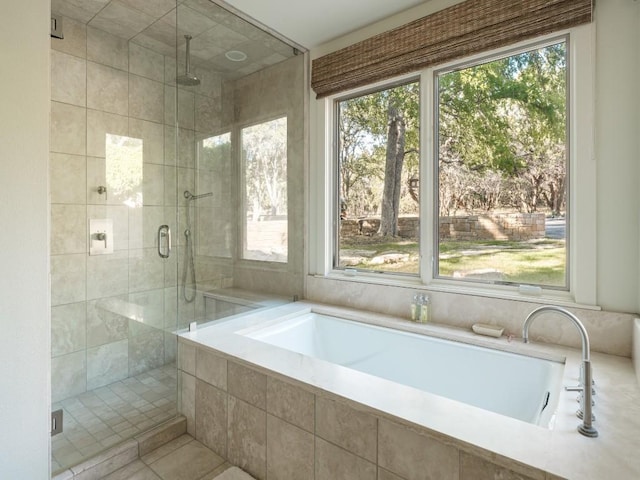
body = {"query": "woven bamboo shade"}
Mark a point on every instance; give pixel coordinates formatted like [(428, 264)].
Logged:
[(464, 29)]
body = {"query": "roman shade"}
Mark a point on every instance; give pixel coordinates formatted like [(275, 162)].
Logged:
[(464, 29)]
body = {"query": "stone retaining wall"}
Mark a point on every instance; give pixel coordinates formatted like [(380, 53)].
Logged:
[(501, 226)]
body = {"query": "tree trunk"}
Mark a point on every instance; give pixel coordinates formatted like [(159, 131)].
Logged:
[(392, 171)]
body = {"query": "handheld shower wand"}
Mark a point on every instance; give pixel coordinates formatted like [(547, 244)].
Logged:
[(189, 269)]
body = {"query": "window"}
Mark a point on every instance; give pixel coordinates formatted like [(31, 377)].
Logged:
[(501, 159), (378, 179), (502, 176), (264, 176)]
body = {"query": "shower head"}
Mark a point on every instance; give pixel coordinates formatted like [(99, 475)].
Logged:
[(190, 196), (188, 78)]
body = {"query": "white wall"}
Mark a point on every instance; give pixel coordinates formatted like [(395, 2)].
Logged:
[(617, 149), (24, 288), (617, 120)]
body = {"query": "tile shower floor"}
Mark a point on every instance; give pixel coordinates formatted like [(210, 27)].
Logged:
[(101, 418)]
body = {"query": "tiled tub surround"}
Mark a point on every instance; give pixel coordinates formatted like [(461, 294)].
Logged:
[(282, 415)]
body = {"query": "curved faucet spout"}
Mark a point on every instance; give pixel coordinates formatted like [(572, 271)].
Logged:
[(584, 337), (585, 378)]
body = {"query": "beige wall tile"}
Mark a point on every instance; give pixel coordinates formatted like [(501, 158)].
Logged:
[(107, 89), (75, 38), (146, 270), (68, 278), (290, 451), (414, 456), (386, 475), (211, 417), (347, 427), (247, 385), (146, 351), (247, 437), (68, 328), (68, 178), (103, 324), (186, 148), (211, 368), (68, 129), (99, 124), (143, 226), (107, 275), (187, 401), (146, 62), (334, 463), (68, 78), (207, 114), (186, 109), (476, 468), (68, 375), (68, 229), (291, 403), (153, 184), (107, 364), (152, 135), (146, 99), (187, 357), (107, 49)]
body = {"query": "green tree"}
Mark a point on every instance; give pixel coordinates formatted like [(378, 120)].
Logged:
[(507, 116)]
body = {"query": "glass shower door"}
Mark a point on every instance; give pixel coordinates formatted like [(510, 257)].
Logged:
[(114, 219)]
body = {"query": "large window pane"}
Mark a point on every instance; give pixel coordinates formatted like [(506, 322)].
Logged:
[(264, 153), (378, 181), (502, 170)]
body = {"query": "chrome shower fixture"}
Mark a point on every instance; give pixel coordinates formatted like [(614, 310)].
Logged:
[(190, 196), (188, 78)]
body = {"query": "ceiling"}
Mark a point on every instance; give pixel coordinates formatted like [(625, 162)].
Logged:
[(216, 31), (152, 24), (310, 23)]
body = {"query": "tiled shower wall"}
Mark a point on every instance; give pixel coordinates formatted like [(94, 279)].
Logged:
[(112, 314)]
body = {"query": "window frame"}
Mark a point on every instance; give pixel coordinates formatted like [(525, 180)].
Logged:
[(397, 82), (582, 183), (432, 74)]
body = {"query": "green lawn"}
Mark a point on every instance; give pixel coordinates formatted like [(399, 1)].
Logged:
[(535, 262)]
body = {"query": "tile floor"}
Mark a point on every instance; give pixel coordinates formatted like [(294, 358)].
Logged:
[(181, 459), (100, 418)]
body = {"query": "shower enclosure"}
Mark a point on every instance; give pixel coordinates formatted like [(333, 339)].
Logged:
[(176, 166)]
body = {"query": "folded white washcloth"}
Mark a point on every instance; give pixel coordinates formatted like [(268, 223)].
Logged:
[(234, 473)]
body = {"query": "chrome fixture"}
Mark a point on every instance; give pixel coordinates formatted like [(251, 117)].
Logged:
[(189, 265), (102, 189), (164, 241), (190, 196), (188, 78), (586, 380)]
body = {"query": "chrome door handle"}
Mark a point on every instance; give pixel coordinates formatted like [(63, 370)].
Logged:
[(164, 241)]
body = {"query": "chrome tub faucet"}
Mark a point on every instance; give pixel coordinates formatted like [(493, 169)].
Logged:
[(586, 381)]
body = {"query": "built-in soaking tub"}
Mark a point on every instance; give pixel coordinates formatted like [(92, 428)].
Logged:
[(414, 398), (518, 386)]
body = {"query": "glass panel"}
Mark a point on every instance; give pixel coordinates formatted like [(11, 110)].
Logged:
[(264, 151), (502, 170), (378, 180)]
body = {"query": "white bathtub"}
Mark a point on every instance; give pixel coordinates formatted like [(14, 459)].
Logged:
[(518, 386)]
